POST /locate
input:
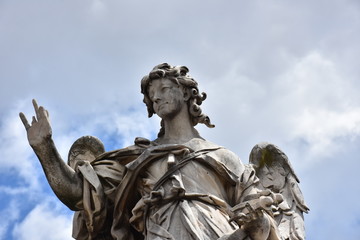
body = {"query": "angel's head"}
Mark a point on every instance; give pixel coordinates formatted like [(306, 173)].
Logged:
[(86, 148), (188, 87), (272, 165), (273, 175)]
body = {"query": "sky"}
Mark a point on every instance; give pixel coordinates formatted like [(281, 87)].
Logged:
[(285, 72)]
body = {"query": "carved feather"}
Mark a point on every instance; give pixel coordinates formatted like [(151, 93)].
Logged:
[(275, 172), (298, 196)]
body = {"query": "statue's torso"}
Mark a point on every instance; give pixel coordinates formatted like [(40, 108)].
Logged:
[(192, 201)]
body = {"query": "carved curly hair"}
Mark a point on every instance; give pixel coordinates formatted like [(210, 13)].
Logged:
[(180, 76)]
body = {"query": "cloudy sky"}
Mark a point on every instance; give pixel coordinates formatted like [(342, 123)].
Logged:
[(281, 71)]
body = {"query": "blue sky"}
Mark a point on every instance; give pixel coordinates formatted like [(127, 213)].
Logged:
[(286, 72)]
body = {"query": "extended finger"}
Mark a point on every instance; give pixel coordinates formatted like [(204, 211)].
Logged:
[(36, 108), (24, 121), (42, 112)]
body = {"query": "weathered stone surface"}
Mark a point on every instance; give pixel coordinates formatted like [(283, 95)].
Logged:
[(178, 186)]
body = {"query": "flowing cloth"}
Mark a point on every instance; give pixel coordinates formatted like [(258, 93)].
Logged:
[(170, 192)]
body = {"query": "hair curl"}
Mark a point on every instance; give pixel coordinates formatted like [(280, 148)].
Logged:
[(180, 76)]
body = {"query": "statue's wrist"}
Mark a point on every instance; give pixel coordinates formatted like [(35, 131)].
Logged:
[(44, 143)]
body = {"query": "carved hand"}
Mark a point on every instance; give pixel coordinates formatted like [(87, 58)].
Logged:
[(40, 130), (254, 216)]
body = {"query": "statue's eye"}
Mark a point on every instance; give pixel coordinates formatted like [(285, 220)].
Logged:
[(75, 153), (166, 88)]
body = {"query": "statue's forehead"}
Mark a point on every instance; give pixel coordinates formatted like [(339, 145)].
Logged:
[(160, 82), (157, 84)]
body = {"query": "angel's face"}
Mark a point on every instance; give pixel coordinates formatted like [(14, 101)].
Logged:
[(167, 97), (272, 177)]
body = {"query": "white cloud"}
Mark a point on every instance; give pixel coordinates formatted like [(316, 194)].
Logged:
[(8, 215), (98, 7), (47, 221), (322, 106), (131, 125), (323, 128), (310, 109), (116, 124), (17, 157)]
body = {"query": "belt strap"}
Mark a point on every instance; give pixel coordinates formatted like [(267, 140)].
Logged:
[(179, 165)]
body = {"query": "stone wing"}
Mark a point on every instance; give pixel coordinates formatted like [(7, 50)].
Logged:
[(275, 172)]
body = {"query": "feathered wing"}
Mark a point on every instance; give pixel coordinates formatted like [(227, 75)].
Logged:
[(276, 174)]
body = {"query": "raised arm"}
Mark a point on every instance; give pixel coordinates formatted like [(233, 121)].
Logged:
[(64, 181)]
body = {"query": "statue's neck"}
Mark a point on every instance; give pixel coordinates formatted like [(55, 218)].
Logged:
[(179, 129)]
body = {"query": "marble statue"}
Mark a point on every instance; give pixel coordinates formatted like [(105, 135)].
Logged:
[(178, 186)]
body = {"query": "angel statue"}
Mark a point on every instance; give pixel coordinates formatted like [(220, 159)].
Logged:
[(276, 174), (178, 186)]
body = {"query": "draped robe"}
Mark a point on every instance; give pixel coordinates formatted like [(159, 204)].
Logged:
[(160, 192)]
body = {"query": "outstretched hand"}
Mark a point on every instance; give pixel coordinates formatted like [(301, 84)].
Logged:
[(40, 129)]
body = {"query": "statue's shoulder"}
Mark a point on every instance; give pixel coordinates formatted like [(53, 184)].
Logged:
[(127, 154), (221, 154)]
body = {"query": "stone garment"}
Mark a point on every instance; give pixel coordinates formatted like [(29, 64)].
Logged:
[(163, 192)]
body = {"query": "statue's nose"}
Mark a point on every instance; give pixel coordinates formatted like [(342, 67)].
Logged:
[(156, 99)]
